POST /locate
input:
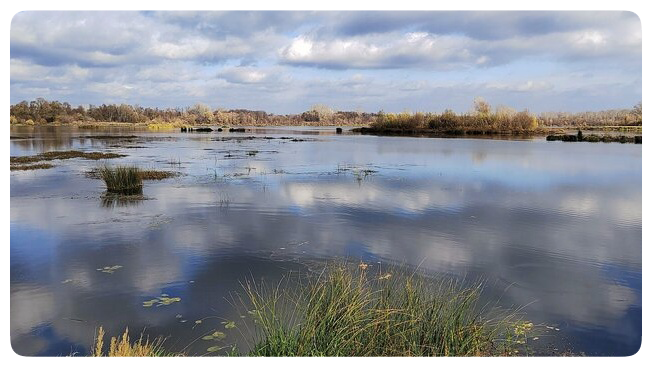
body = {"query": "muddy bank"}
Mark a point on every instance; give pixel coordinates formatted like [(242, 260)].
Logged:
[(593, 138)]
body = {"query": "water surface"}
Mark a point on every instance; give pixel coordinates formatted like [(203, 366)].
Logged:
[(551, 226)]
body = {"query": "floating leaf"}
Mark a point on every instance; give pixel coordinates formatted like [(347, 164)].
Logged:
[(229, 324), (208, 337), (198, 322), (161, 301), (214, 348), (219, 335)]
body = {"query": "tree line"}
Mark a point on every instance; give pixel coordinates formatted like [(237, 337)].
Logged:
[(42, 111)]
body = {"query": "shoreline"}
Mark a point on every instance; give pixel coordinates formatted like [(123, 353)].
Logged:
[(552, 133)]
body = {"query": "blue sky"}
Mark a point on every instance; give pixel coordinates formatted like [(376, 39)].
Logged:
[(285, 62)]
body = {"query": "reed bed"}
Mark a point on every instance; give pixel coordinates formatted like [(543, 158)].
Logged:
[(450, 122), (357, 312), (124, 180)]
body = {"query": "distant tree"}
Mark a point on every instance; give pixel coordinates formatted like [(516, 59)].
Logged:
[(638, 112), (480, 106), (202, 113)]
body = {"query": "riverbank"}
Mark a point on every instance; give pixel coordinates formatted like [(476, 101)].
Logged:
[(551, 134)]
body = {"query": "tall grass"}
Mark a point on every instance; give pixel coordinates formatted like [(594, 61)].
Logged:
[(125, 180), (122, 347), (502, 120), (356, 312)]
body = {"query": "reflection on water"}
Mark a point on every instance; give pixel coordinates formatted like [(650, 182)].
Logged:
[(550, 225)]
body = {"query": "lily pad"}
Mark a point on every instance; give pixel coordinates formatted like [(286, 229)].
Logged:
[(214, 348), (218, 335), (161, 301), (228, 324)]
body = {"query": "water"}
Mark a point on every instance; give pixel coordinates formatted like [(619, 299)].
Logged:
[(554, 227)]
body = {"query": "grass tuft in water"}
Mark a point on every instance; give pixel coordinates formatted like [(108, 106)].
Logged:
[(122, 179), (350, 311), (121, 346)]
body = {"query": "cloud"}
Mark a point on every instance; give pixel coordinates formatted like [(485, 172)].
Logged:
[(244, 75), (285, 61), (528, 86), (387, 51)]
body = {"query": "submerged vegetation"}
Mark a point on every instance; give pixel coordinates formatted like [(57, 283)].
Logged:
[(41, 111), (122, 179)]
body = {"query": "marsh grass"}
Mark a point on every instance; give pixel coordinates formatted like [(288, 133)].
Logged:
[(150, 174), (145, 174), (29, 167), (353, 311), (121, 346), (485, 122), (124, 180), (69, 154)]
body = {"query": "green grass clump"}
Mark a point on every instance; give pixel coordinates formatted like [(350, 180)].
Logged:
[(355, 312), (125, 180)]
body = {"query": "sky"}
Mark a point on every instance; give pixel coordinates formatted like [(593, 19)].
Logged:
[(286, 62)]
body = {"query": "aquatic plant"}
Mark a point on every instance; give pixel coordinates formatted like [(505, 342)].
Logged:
[(150, 174), (122, 179), (145, 174), (69, 154), (122, 347), (163, 300), (29, 167), (354, 311)]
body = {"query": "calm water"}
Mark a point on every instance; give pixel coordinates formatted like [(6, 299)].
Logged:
[(552, 226)]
